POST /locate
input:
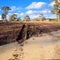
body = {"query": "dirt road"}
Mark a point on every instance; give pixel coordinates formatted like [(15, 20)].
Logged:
[(47, 46)]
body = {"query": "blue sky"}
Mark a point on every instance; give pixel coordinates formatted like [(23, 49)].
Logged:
[(28, 7)]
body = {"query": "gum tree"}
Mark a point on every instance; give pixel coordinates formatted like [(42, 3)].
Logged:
[(13, 17), (56, 8), (5, 11), (27, 18)]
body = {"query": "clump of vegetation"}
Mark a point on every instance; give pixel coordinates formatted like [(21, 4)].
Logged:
[(5, 12), (26, 18), (56, 8), (13, 17)]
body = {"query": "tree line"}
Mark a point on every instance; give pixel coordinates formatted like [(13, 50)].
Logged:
[(13, 17)]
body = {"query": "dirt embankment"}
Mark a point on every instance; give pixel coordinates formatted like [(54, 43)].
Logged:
[(12, 31), (9, 32)]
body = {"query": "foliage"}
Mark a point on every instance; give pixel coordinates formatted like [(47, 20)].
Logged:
[(6, 10), (14, 18), (26, 18), (56, 9), (41, 16), (18, 19)]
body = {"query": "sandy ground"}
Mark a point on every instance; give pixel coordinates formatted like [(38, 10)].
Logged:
[(45, 47)]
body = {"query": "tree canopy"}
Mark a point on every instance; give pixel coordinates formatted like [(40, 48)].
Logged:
[(26, 18), (5, 11), (56, 9), (13, 17)]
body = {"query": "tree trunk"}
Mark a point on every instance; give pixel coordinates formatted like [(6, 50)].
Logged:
[(58, 17)]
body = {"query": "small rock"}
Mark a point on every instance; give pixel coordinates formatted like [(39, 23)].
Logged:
[(15, 55)]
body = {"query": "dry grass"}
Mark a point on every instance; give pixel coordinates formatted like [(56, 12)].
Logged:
[(10, 30)]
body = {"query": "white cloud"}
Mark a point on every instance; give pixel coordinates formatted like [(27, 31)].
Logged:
[(16, 13), (14, 8), (9, 14), (45, 11), (21, 14), (29, 12), (35, 5), (0, 17), (52, 3), (34, 16)]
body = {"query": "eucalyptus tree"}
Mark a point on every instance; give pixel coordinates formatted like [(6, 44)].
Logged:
[(18, 19), (13, 17), (5, 11), (41, 16), (56, 8), (27, 18)]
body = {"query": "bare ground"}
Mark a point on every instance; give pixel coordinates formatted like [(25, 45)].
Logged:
[(43, 47)]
